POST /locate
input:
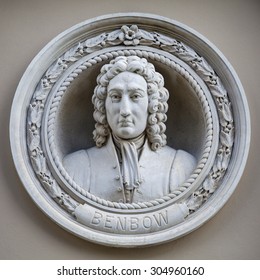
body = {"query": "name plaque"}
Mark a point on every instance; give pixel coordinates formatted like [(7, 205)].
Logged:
[(131, 223)]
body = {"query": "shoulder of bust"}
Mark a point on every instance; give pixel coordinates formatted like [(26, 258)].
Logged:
[(184, 162), (166, 151), (74, 162), (78, 155), (183, 166), (77, 165), (185, 156)]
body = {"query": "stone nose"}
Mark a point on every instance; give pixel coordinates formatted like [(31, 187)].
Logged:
[(125, 108)]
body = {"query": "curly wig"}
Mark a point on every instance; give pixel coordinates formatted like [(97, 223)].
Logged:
[(157, 99)]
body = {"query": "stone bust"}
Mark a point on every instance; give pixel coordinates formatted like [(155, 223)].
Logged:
[(131, 162)]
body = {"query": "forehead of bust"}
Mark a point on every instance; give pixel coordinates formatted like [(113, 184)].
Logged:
[(127, 80)]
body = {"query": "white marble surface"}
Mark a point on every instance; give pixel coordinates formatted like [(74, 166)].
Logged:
[(241, 139)]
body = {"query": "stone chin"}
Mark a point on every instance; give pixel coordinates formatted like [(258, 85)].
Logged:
[(126, 132)]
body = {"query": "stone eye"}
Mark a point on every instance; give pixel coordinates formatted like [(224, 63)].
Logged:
[(135, 96), (115, 97)]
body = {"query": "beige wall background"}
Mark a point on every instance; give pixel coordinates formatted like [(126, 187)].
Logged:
[(26, 26)]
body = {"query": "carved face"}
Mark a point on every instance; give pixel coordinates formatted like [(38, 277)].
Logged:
[(127, 105)]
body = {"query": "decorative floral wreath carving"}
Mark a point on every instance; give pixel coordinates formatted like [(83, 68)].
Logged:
[(128, 36)]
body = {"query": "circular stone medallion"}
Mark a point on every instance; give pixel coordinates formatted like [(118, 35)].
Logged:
[(170, 122)]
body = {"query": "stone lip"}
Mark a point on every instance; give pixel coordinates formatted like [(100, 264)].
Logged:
[(67, 39)]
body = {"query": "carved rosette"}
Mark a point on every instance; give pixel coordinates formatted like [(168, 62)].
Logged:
[(164, 213)]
